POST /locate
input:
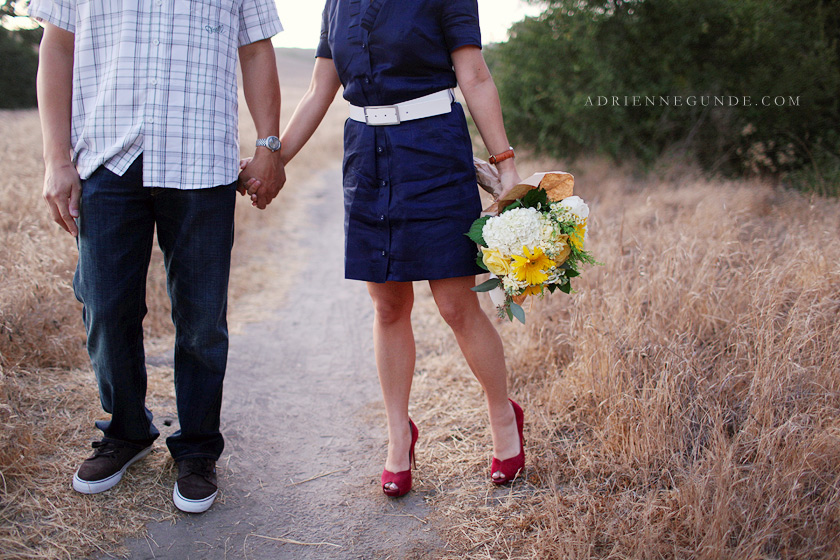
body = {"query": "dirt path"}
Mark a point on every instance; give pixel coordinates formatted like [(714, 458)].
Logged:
[(302, 400)]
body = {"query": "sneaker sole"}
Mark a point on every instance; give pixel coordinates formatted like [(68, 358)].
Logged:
[(96, 486), (192, 506)]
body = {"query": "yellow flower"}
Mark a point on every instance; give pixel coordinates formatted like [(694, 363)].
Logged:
[(529, 268), (577, 237), (563, 241), (495, 261), (532, 291)]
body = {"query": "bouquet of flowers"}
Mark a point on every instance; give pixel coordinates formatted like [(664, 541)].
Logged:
[(532, 241)]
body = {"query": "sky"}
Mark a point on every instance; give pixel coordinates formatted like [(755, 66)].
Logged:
[(302, 20)]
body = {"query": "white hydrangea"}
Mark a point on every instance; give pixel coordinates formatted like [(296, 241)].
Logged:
[(572, 207), (511, 230)]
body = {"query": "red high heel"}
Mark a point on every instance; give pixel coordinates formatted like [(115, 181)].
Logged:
[(401, 479), (513, 466)]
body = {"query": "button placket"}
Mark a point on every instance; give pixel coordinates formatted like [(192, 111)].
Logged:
[(384, 198)]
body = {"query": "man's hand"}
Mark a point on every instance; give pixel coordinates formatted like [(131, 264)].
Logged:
[(62, 192), (262, 177)]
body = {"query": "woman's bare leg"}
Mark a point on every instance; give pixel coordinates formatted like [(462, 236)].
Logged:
[(482, 347), (393, 344)]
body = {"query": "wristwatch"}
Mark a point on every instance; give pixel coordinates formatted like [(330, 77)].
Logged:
[(272, 143)]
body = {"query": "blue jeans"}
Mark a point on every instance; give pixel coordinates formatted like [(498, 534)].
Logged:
[(117, 220)]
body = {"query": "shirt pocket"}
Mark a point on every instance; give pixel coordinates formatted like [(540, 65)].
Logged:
[(215, 17)]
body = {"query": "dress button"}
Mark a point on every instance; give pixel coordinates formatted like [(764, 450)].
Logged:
[(380, 149), (384, 253), (367, 80), (364, 46), (383, 183), (382, 217)]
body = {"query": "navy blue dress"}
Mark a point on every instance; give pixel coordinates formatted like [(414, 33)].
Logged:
[(410, 190)]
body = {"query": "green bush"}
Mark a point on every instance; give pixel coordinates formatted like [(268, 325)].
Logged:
[(18, 59), (780, 59)]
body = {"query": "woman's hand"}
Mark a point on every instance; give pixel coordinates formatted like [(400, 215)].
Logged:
[(509, 179)]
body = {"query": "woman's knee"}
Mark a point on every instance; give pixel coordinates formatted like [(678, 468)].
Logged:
[(393, 306), (456, 311)]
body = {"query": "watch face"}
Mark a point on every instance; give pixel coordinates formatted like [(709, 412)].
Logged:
[(273, 143)]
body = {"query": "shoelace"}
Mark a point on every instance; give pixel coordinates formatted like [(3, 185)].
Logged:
[(201, 467), (104, 449)]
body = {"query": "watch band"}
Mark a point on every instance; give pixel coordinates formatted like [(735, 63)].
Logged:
[(271, 142), (507, 154)]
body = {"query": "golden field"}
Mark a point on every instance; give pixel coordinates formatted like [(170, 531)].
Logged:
[(683, 403)]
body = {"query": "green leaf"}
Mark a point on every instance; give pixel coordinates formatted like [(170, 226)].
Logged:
[(479, 260), (517, 311), (551, 288), (475, 232), (487, 285), (512, 205), (566, 288), (535, 198), (571, 273), (509, 312)]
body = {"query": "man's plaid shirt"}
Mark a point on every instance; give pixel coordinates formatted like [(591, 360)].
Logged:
[(158, 77)]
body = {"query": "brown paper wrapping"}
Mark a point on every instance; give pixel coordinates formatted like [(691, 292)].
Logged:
[(557, 184)]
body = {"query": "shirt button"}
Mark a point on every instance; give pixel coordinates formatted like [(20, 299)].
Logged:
[(154, 81), (383, 183), (384, 253), (382, 217), (380, 149), (155, 42), (150, 120), (367, 80), (364, 46)]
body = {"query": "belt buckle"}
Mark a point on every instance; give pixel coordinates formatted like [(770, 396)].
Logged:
[(382, 115)]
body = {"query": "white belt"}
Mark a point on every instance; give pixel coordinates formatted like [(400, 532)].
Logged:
[(437, 103)]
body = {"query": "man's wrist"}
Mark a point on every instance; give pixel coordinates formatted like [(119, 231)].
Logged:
[(262, 151), (57, 158)]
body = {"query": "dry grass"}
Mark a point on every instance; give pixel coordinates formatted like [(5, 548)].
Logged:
[(683, 404), (48, 398)]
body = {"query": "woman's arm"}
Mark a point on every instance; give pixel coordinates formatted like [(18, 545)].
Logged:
[(311, 109), (482, 98)]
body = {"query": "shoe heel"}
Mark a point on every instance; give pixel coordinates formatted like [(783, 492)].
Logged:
[(401, 479)]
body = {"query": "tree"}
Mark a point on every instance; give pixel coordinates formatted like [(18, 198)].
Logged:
[(18, 57), (779, 59)]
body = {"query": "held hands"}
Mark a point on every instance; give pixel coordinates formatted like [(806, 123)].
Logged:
[(261, 177), (62, 192)]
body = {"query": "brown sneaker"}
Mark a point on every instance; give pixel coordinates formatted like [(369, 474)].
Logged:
[(104, 469), (196, 487)]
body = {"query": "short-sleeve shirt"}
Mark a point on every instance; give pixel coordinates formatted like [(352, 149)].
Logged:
[(410, 191), (158, 77)]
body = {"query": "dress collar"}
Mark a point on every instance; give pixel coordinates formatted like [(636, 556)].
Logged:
[(370, 14)]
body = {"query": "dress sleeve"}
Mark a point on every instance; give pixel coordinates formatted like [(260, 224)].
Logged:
[(460, 23), (323, 50), (258, 20), (61, 13)]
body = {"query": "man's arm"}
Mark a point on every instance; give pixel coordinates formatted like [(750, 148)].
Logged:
[(262, 94), (62, 188)]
